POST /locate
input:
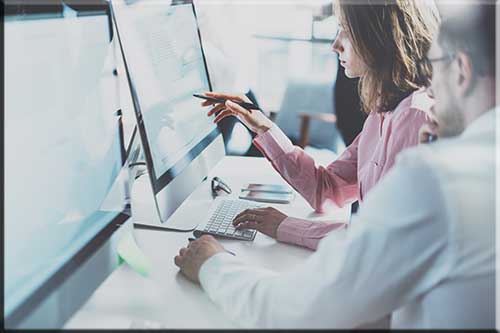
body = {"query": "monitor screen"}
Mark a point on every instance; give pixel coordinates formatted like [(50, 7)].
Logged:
[(62, 148), (165, 63)]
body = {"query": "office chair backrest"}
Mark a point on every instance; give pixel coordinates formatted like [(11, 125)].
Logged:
[(313, 96)]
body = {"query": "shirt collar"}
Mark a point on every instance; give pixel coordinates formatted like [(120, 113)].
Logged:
[(420, 100), (485, 122)]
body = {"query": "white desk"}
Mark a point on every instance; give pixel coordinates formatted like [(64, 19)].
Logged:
[(166, 297)]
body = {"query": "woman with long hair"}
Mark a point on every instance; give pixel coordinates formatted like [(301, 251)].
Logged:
[(381, 44)]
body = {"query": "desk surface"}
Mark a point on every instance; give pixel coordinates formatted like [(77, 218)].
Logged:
[(166, 297)]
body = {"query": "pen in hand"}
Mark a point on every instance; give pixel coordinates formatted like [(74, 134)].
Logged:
[(246, 105), (230, 252)]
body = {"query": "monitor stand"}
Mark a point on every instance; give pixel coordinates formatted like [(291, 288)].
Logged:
[(143, 207), (156, 210)]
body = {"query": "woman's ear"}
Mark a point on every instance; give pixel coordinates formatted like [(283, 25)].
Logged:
[(465, 74)]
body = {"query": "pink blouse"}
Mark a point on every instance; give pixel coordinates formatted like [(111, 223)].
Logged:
[(353, 174)]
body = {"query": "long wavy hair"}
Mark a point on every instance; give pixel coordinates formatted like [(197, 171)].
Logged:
[(391, 37)]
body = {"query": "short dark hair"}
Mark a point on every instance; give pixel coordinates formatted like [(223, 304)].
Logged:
[(473, 34)]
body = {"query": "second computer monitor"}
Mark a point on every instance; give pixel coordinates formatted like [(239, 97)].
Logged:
[(165, 65), (62, 160)]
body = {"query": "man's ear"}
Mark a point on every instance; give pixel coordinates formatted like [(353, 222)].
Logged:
[(465, 77)]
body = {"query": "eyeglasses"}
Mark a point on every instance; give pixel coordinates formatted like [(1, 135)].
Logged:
[(425, 64)]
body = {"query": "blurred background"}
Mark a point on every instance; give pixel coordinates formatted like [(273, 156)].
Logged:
[(276, 52), (279, 54)]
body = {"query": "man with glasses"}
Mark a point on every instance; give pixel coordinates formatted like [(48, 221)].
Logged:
[(423, 247)]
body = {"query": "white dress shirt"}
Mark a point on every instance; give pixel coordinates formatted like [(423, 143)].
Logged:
[(422, 248)]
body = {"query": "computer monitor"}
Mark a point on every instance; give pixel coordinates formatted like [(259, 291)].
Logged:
[(62, 158), (165, 64)]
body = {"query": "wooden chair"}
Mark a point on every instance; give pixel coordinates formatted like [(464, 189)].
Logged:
[(305, 122)]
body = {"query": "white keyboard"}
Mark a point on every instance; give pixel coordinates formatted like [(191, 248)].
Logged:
[(220, 224)]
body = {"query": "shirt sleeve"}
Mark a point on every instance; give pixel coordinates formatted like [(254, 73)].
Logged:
[(303, 232), (396, 250), (337, 183)]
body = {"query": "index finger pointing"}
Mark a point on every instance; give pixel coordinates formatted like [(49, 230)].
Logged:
[(225, 96)]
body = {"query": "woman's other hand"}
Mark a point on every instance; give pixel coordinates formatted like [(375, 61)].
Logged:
[(265, 220)]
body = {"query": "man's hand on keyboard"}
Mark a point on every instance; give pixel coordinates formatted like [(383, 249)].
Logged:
[(265, 220), (190, 259)]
